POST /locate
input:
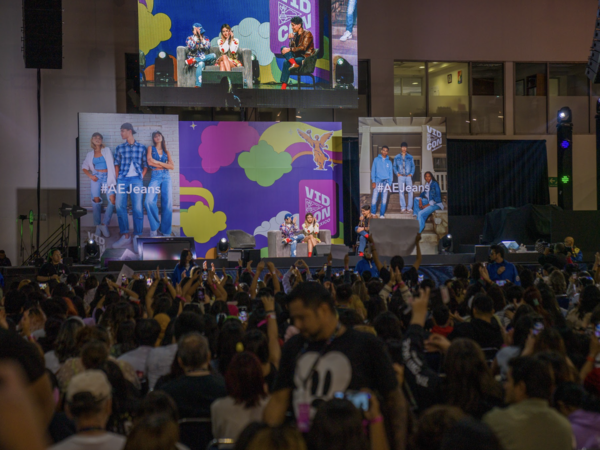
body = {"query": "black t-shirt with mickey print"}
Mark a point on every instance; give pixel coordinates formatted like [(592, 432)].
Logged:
[(353, 361)]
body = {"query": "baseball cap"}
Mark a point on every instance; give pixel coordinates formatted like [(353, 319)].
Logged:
[(288, 216), (197, 25), (128, 126), (91, 381)]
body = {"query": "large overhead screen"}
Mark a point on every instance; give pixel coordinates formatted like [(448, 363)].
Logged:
[(238, 55)]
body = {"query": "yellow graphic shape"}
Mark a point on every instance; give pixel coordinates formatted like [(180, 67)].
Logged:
[(153, 29), (266, 74), (323, 63), (339, 240), (283, 134), (199, 221)]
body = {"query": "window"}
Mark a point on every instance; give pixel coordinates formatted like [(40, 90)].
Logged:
[(439, 164), (487, 100), (448, 89), (568, 86), (409, 89), (530, 98)]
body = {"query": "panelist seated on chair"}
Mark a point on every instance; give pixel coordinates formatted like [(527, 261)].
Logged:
[(363, 228), (310, 227), (301, 46), (289, 233)]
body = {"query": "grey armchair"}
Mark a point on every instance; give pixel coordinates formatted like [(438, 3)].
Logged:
[(279, 250), (186, 75), (307, 68)]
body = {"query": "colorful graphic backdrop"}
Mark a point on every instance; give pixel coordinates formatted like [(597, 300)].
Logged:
[(249, 175)]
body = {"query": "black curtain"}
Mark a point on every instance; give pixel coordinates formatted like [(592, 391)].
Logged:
[(486, 175), (351, 189)]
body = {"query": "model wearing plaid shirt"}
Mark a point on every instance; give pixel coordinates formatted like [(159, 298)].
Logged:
[(130, 167), (198, 49)]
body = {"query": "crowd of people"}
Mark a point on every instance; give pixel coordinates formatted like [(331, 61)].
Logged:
[(303, 360)]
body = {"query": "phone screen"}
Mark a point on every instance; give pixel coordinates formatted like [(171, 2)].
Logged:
[(358, 399), (141, 276), (123, 279), (500, 282), (201, 294), (149, 282), (597, 331), (421, 278), (243, 316), (445, 294), (537, 327), (43, 286), (86, 274)]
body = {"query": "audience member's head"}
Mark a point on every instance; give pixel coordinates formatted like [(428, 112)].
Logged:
[(279, 438), (193, 353), (244, 380), (528, 377), (433, 426), (89, 399), (337, 425), (470, 434), (388, 326), (155, 432)]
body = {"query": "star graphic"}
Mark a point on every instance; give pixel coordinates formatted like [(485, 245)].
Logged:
[(193, 126), (333, 164)]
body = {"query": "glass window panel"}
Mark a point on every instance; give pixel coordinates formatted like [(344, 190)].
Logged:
[(449, 94), (593, 102), (409, 89), (487, 101), (530, 98)]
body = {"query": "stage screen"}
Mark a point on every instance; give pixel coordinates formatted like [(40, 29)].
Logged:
[(248, 175), (393, 184), (185, 44), (143, 184)]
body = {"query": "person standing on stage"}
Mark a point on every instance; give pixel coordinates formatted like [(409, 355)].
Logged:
[(301, 47), (404, 168), (130, 167), (289, 233), (363, 228), (198, 50), (4, 261), (429, 201), (228, 45), (159, 160), (54, 268), (99, 166), (381, 177), (310, 227)]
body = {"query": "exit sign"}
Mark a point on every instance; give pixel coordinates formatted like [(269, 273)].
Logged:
[(552, 181)]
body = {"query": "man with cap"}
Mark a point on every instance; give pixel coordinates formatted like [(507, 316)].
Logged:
[(89, 405), (404, 168), (289, 233), (198, 50), (130, 167)]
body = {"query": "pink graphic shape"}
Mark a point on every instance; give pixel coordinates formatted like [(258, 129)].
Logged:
[(221, 143), (183, 182), (319, 197)]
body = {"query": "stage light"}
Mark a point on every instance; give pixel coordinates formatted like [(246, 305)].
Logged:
[(223, 248), (92, 252), (565, 144), (445, 245), (163, 68), (564, 115), (344, 74)]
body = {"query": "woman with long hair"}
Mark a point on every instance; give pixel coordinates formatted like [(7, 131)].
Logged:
[(186, 263), (228, 46), (65, 346), (160, 161), (99, 166), (469, 383), (579, 317), (310, 227), (246, 397)]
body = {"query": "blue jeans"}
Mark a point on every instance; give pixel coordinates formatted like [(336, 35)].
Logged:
[(375, 197), (124, 185), (160, 179), (294, 243), (351, 15), (97, 207), (202, 62), (403, 183), (423, 214), (362, 240), (285, 71)]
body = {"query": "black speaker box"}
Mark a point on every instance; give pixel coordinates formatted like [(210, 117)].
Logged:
[(42, 34)]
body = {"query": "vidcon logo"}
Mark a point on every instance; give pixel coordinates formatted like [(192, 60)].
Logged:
[(318, 197), (434, 139)]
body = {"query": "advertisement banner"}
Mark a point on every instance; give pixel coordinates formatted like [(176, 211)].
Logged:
[(403, 174), (248, 175)]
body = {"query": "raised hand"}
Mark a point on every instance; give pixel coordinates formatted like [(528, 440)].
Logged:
[(268, 302), (249, 266), (347, 261), (271, 267), (260, 267)]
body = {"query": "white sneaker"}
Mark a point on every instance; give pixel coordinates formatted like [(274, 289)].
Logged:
[(153, 233), (403, 211), (104, 229), (347, 35), (122, 242), (382, 217)]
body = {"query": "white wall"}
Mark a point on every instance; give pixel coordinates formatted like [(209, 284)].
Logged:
[(85, 84)]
